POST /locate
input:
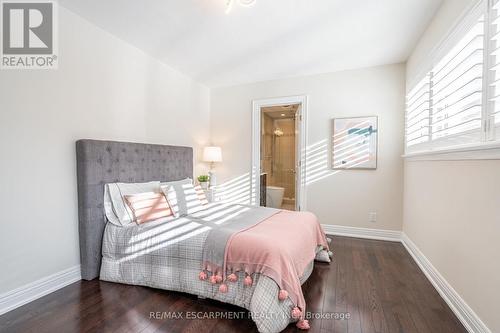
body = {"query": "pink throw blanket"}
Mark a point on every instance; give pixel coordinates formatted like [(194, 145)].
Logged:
[(279, 247)]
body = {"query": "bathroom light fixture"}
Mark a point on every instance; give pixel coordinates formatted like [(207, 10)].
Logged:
[(244, 3), (278, 131), (282, 114)]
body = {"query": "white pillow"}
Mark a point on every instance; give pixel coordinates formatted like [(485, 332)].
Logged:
[(177, 182), (116, 209), (182, 197)]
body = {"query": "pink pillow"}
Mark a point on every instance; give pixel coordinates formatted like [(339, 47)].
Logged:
[(148, 206)]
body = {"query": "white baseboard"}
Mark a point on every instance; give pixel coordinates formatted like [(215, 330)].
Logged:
[(465, 314), (30, 292), (378, 234)]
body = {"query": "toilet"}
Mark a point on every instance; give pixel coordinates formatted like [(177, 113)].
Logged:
[(274, 196)]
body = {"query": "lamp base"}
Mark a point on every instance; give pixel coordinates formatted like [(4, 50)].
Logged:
[(213, 178)]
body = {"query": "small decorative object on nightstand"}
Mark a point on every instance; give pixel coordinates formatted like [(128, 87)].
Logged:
[(212, 155), (203, 180)]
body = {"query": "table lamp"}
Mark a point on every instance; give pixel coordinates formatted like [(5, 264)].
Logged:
[(212, 154)]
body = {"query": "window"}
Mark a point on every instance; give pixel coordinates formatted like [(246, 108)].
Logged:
[(457, 100)]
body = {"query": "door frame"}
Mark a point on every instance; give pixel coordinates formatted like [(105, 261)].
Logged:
[(300, 132)]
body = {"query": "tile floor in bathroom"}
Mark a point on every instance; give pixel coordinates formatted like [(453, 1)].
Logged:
[(288, 206)]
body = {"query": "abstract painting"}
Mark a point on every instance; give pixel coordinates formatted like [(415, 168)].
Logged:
[(354, 143)]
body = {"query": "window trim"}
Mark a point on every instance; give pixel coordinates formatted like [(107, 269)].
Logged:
[(486, 150)]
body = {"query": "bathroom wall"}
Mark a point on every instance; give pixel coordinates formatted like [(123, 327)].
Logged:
[(266, 148), (284, 157), (278, 153)]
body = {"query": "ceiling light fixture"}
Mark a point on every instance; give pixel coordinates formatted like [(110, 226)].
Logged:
[(278, 132), (244, 3)]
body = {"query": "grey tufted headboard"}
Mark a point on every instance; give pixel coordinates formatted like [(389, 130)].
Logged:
[(101, 162)]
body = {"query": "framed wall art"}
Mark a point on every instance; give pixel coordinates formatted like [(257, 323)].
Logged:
[(354, 142)]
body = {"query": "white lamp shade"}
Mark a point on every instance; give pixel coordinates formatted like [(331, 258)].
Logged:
[(212, 154)]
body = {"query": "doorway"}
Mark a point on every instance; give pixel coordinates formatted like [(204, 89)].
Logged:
[(279, 152)]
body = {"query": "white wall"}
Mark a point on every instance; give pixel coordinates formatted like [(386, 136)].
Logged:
[(444, 20), (452, 208), (452, 214), (103, 89), (342, 198)]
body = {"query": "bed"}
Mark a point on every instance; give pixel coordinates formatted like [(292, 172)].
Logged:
[(168, 255)]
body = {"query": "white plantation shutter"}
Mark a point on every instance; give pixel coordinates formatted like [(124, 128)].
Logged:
[(458, 100), (457, 90), (417, 129), (493, 114)]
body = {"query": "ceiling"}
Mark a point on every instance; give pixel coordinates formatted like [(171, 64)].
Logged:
[(281, 111), (269, 40)]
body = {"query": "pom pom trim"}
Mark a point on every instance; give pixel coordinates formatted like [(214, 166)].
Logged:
[(296, 313), (303, 324), (223, 288), (248, 281), (282, 295)]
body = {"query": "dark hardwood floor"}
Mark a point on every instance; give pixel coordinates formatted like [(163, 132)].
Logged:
[(377, 283)]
